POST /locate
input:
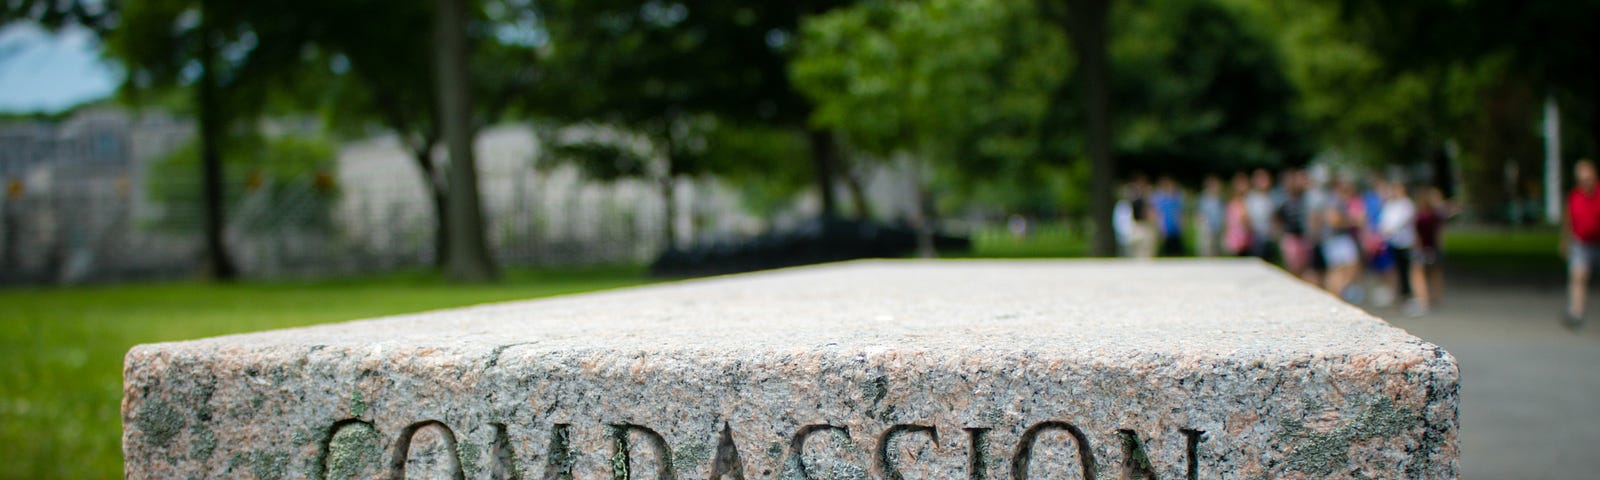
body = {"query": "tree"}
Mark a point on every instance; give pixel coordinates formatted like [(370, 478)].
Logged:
[(357, 47), (364, 81), (98, 16), (767, 185), (231, 55), (1344, 92), (270, 169), (660, 67), (1393, 82), (944, 81), (1512, 55), (1085, 24), (236, 56), (1200, 91), (158, 40), (467, 258), (610, 154), (1546, 42)]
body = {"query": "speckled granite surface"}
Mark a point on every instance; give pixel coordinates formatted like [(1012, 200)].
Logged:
[(882, 369)]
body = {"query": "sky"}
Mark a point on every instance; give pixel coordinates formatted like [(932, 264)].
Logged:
[(45, 72)]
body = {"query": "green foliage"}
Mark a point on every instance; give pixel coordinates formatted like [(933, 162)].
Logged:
[(1391, 82), (258, 47), (603, 159), (1043, 240), (1548, 43), (365, 80), (61, 349), (97, 15), (767, 164), (932, 77), (1042, 190), (704, 80), (1357, 102), (262, 172), (981, 89), (963, 85), (377, 65), (635, 62), (1199, 90)]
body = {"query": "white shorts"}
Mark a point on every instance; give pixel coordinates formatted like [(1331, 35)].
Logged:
[(1340, 250), (1582, 255)]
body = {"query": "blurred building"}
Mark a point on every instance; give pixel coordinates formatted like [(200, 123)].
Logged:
[(536, 213), (78, 206), (73, 192)]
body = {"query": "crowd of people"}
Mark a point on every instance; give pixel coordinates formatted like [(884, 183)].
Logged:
[(1371, 241)]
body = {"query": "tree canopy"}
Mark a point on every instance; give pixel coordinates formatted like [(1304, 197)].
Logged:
[(1199, 91), (1001, 101)]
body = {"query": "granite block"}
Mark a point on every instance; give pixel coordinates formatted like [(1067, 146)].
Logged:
[(865, 370)]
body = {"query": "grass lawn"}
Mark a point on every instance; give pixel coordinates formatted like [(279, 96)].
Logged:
[(61, 348), (1048, 240), (1504, 252)]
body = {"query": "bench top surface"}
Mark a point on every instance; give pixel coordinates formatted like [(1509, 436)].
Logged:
[(1229, 309)]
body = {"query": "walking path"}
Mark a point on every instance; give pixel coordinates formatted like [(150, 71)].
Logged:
[(1530, 390)]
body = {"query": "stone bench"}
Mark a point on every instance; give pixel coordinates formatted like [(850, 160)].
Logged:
[(883, 369)]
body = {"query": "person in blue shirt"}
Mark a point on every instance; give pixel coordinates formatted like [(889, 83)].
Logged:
[(1380, 260), (1209, 212), (1167, 201)]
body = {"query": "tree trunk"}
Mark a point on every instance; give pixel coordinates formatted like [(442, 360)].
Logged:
[(1594, 129), (1502, 142), (441, 228), (926, 223), (431, 180), (467, 258), (10, 260), (929, 225), (669, 197), (824, 160), (858, 195), (218, 265), (1086, 25), (1439, 162)]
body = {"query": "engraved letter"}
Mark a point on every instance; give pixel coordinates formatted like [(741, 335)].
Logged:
[(561, 458), (795, 465), (505, 465), (727, 465), (888, 465), (402, 450), (1194, 437), (978, 456), (1138, 465), (1019, 462), (351, 451), (621, 467), (1136, 459)]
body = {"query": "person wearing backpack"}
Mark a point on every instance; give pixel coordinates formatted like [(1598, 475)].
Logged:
[(1580, 240)]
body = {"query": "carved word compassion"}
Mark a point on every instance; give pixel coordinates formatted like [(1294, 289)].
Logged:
[(727, 463)]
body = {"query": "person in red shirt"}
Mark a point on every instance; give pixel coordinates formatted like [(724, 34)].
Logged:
[(1580, 239)]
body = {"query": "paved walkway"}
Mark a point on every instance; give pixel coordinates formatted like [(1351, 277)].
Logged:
[(1530, 390)]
